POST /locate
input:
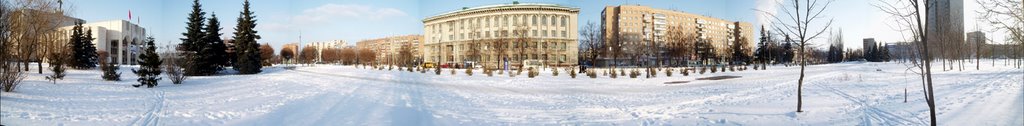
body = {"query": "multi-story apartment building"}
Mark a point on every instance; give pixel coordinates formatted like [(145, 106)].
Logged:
[(642, 26), (388, 48), (502, 33), (122, 39)]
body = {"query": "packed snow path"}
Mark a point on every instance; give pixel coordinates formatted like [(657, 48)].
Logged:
[(834, 94)]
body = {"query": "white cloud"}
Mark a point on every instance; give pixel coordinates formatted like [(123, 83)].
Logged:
[(330, 12), (769, 6)]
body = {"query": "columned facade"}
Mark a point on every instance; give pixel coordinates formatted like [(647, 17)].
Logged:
[(491, 35)]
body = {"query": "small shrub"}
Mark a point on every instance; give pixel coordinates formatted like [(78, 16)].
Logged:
[(489, 72), (668, 72), (554, 72), (592, 74), (652, 72), (723, 69), (453, 71), (755, 67), (703, 70), (532, 72), (714, 69), (634, 73), (572, 72), (686, 72), (110, 71), (469, 71), (732, 69), (622, 72), (408, 69)]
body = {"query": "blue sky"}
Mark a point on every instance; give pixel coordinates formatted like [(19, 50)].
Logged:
[(282, 21)]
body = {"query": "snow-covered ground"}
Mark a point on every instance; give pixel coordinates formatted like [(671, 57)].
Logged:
[(834, 94)]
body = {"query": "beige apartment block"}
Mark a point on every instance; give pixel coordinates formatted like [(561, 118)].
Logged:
[(388, 48), (643, 25), (472, 34)]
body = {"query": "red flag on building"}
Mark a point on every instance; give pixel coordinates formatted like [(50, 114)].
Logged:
[(129, 14)]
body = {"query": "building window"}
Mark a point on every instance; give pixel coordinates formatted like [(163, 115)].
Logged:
[(544, 21), (564, 34), (552, 21), (534, 33), (545, 33), (563, 21), (534, 21)]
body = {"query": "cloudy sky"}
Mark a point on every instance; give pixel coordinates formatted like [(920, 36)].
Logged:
[(282, 21)]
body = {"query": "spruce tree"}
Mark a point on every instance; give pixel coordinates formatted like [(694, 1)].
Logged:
[(218, 51), (194, 29), (210, 57), (194, 42), (84, 52), (246, 47), (149, 67)]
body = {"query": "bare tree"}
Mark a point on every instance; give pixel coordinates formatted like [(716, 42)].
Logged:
[(367, 57), (907, 14), (800, 15), (174, 63), (1006, 16), (592, 44), (521, 42), (10, 75), (499, 48), (680, 43), (266, 53), (30, 24), (308, 55)]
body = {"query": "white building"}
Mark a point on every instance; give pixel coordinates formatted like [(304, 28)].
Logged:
[(320, 46), (122, 39)]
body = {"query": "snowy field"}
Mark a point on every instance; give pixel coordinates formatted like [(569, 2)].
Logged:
[(834, 94)]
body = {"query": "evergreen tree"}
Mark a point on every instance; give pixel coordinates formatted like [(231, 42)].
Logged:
[(763, 54), (84, 52), (246, 48), (218, 54), (211, 55), (149, 67), (787, 53), (194, 31)]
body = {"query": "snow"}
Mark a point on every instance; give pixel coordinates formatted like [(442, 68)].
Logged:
[(834, 94)]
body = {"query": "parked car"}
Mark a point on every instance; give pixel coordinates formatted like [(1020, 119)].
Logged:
[(428, 65)]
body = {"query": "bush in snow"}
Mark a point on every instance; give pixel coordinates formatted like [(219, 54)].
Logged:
[(554, 72), (408, 69), (469, 71), (149, 66), (634, 73), (604, 73), (591, 74), (453, 71), (622, 72), (723, 69), (686, 71), (703, 70), (732, 69), (489, 72), (714, 69), (668, 72), (57, 61), (572, 72), (174, 66), (532, 73), (109, 70), (755, 67)]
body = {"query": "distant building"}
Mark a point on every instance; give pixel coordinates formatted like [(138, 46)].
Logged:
[(945, 26), (322, 45), (975, 40), (635, 25), (388, 48), (869, 43), (122, 39), (549, 29)]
